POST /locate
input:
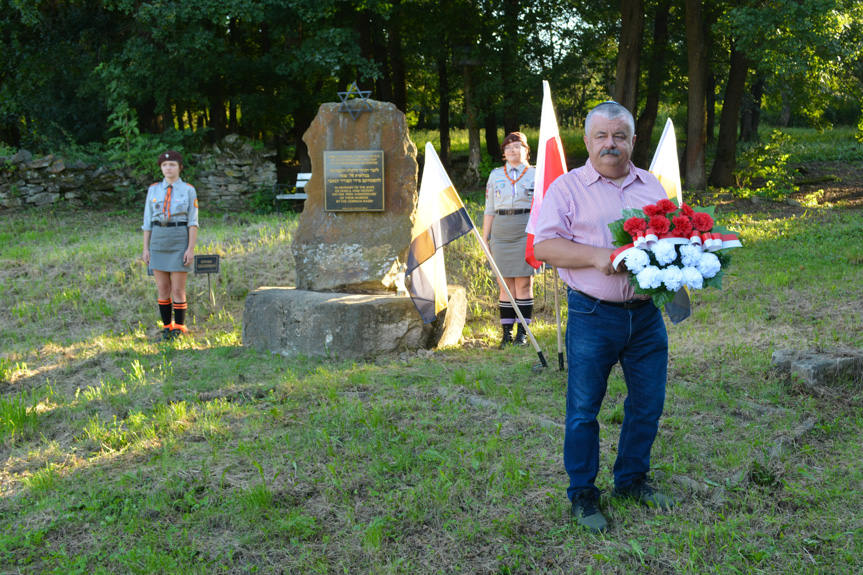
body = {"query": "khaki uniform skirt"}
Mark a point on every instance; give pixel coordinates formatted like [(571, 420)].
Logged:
[(508, 241), (167, 246)]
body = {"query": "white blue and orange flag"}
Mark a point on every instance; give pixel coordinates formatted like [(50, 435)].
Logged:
[(440, 218), (666, 168), (550, 163), (665, 165)]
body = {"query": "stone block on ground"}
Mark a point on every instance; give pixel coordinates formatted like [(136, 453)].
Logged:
[(819, 368), (294, 322)]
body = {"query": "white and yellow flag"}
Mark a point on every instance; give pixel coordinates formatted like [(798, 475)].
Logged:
[(440, 218), (665, 165), (667, 170)]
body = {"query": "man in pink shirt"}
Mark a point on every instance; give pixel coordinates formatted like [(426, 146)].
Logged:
[(607, 322)]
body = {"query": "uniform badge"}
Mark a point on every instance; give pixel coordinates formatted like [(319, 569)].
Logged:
[(196, 202)]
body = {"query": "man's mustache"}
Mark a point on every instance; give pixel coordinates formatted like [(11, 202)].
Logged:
[(609, 151)]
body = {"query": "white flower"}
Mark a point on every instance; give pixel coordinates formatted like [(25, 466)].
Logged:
[(649, 277), (692, 278), (672, 278), (664, 252), (709, 265), (690, 255), (636, 260)]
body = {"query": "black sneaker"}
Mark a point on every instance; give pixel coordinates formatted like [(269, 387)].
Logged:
[(643, 492), (164, 335), (584, 511)]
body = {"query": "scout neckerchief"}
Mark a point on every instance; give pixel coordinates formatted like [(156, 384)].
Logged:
[(166, 209), (511, 181)]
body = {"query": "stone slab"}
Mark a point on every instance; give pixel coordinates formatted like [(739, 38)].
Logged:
[(293, 322), (819, 368)]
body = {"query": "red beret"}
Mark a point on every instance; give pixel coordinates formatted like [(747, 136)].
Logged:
[(514, 137), (171, 156)]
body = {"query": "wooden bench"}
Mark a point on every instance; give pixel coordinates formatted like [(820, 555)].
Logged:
[(297, 192)]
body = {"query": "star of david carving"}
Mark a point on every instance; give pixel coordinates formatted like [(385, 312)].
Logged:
[(355, 111)]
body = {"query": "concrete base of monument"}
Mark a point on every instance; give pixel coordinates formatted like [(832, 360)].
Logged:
[(294, 322)]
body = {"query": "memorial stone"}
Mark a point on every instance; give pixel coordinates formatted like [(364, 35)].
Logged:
[(349, 259), (362, 250)]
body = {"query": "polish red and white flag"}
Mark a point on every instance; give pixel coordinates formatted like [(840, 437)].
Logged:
[(550, 164)]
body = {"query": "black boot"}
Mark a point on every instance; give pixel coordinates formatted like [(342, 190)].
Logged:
[(520, 336), (507, 336)]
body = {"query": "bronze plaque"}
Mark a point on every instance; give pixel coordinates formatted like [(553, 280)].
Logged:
[(354, 181)]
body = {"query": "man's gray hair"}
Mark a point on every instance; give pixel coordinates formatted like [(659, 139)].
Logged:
[(610, 110)]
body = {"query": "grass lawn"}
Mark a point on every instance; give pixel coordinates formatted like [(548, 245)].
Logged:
[(120, 455)]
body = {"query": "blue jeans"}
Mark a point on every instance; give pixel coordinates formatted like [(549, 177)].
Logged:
[(597, 337)]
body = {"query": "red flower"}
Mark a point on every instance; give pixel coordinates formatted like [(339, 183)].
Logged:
[(660, 224), (686, 211), (650, 210), (634, 225), (666, 206), (702, 222), (682, 226)]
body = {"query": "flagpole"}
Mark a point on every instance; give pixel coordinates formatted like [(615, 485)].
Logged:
[(510, 296), (557, 317)]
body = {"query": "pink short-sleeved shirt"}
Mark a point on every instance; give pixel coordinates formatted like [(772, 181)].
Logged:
[(578, 207)]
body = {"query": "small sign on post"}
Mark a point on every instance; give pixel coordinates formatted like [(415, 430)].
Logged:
[(208, 264)]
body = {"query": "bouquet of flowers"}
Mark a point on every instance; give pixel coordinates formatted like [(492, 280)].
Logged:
[(667, 248)]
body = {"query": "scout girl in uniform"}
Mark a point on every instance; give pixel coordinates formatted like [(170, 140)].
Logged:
[(508, 198), (170, 231)]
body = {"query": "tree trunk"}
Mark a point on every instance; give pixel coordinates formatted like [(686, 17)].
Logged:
[(492, 143), (383, 85), (722, 174), (397, 59), (509, 58), (785, 114), (181, 125), (303, 118), (473, 155), (696, 129), (711, 106), (750, 113), (655, 75), (443, 109), (233, 123), (629, 53)]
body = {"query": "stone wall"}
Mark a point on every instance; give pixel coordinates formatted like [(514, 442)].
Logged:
[(228, 175), (231, 172)]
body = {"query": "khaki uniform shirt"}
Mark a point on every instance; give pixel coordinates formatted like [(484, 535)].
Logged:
[(184, 204)]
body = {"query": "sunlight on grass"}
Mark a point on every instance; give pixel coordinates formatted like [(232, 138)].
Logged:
[(204, 456)]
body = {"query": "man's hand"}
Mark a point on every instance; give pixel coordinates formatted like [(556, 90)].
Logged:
[(603, 262)]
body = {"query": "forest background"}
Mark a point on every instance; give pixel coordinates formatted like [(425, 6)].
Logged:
[(118, 79), (122, 455)]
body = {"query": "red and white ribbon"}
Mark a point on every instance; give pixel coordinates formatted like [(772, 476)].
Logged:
[(730, 241), (620, 254)]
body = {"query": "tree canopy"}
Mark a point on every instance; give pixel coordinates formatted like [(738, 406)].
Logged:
[(80, 72)]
